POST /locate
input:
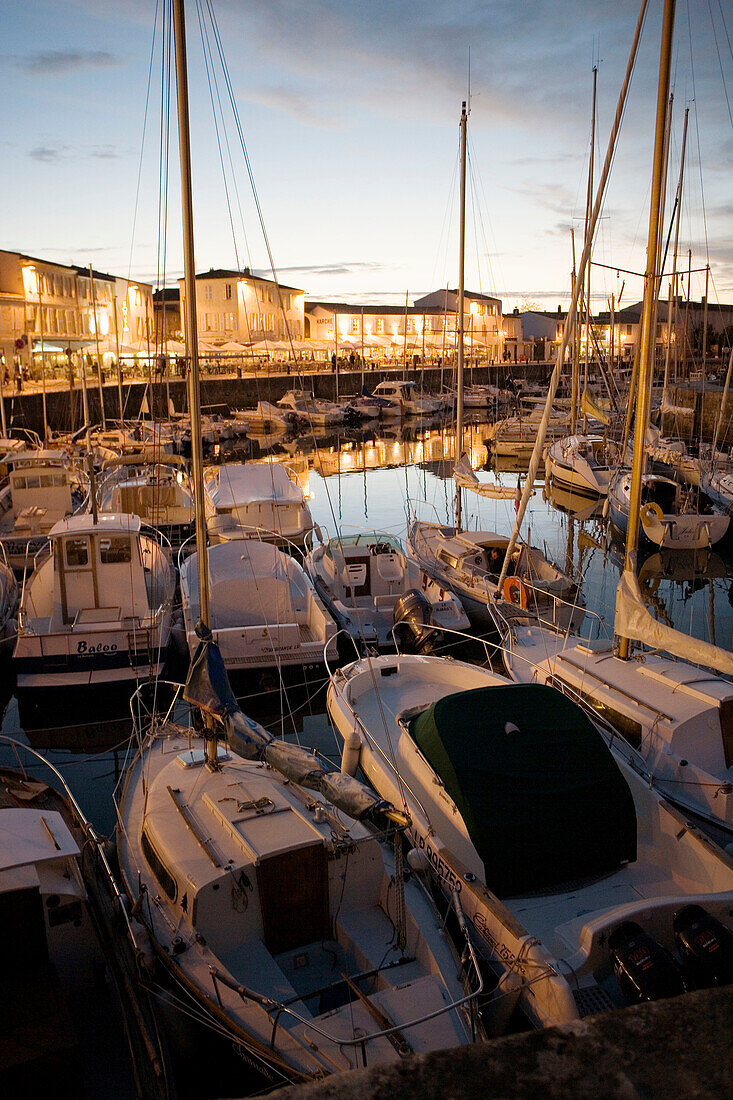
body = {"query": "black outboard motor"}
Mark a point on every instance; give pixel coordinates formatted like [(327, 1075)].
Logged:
[(644, 970), (412, 619), (705, 947)]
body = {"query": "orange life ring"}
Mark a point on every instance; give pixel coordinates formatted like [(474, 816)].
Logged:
[(515, 592)]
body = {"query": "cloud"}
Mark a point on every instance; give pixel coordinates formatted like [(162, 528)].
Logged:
[(54, 154), (292, 103), (60, 62), (334, 269)]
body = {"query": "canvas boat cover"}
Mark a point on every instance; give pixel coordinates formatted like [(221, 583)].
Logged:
[(540, 793), (254, 484)]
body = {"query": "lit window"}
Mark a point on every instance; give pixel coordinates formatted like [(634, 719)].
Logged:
[(354, 324), (380, 324)]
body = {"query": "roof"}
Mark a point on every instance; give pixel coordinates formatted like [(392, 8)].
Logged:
[(374, 310), (539, 791), (107, 522), (30, 836), (167, 294), (245, 273)]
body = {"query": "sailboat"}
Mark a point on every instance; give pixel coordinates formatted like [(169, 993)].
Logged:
[(467, 563), (274, 888), (662, 701)]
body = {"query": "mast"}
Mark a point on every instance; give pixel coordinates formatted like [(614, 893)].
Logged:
[(588, 207), (461, 265), (194, 396), (96, 341), (575, 353), (647, 334)]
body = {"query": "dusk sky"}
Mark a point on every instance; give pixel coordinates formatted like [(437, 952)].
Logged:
[(350, 115)]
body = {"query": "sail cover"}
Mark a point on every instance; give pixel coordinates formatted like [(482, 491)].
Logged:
[(634, 621), (538, 789), (466, 479), (208, 687)]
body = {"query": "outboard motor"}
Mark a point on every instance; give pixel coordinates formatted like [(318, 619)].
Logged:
[(705, 947), (644, 970), (412, 619)]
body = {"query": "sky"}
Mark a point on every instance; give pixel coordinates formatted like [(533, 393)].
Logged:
[(349, 112)]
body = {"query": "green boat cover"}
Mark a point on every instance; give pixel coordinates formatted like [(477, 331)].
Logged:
[(542, 797)]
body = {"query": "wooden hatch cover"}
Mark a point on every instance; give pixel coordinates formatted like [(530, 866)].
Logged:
[(293, 889)]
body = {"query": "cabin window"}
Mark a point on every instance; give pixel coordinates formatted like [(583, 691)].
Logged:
[(159, 869), (115, 551), (77, 552), (449, 559)]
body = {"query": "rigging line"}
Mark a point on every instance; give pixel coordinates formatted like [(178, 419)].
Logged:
[(697, 135), (253, 186), (220, 53), (142, 141), (720, 62), (725, 28), (208, 63)]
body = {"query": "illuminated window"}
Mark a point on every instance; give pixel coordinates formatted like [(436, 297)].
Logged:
[(355, 324), (228, 321), (380, 324)]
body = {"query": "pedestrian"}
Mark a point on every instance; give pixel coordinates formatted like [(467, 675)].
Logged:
[(333, 362)]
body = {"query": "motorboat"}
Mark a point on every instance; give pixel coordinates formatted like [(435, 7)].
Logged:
[(158, 492), (43, 487), (469, 564), (405, 396), (97, 611), (377, 594), (371, 405), (313, 409), (671, 515), (282, 909), (264, 611), (575, 874), (582, 463), (256, 500)]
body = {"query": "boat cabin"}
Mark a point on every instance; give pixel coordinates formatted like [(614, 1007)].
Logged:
[(101, 570), (39, 492)]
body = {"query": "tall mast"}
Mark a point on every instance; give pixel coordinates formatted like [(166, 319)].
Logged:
[(588, 208), (461, 264), (647, 334), (194, 397)]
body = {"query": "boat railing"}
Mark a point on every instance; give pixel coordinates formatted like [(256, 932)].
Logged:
[(499, 612), (276, 1009), (92, 838), (39, 555)]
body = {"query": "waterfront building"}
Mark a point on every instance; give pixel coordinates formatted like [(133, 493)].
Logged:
[(50, 311), (246, 308), (426, 329)]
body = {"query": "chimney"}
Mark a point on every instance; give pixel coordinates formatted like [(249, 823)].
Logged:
[(559, 311)]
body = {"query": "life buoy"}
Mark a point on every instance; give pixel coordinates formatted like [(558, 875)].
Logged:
[(515, 592), (652, 513)]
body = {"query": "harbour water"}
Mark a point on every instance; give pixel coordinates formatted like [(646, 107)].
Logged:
[(378, 480)]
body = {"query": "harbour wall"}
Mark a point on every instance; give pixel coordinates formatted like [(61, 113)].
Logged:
[(222, 392), (691, 410), (676, 1049)]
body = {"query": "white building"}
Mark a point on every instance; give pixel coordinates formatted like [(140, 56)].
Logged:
[(236, 305)]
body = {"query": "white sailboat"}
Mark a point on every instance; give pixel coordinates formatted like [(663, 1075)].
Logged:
[(582, 463), (662, 701), (290, 928)]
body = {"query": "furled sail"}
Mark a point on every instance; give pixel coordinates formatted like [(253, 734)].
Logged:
[(598, 410), (207, 687), (465, 478), (634, 621)]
